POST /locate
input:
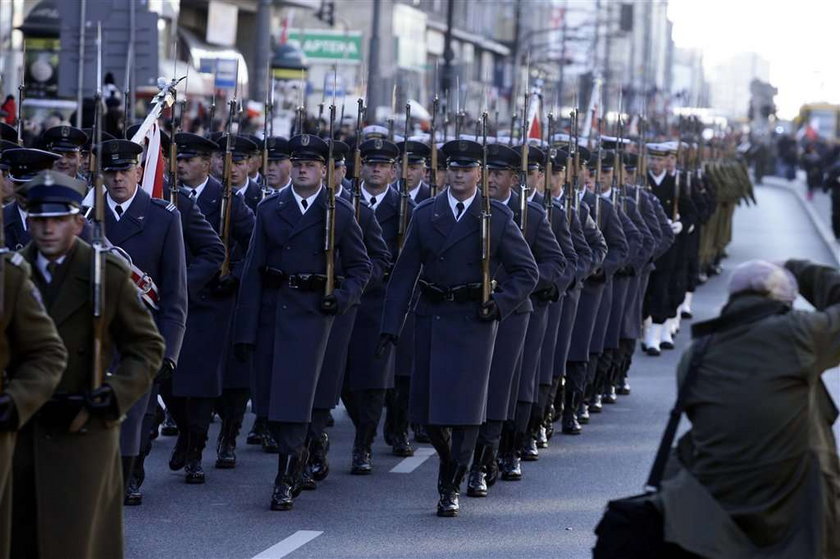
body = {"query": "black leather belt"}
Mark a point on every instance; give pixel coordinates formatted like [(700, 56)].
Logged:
[(463, 293), (274, 278)]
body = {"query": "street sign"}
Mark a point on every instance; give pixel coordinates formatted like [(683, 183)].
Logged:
[(328, 45)]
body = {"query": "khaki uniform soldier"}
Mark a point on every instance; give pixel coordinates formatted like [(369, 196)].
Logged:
[(67, 479), (33, 357)]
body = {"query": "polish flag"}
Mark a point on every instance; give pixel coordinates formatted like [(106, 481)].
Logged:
[(534, 111), (153, 165)]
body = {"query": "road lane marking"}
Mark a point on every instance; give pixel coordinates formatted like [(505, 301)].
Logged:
[(408, 465), (293, 542)]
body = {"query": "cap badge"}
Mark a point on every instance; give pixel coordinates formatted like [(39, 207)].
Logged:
[(304, 141), (462, 145), (65, 131), (377, 143)]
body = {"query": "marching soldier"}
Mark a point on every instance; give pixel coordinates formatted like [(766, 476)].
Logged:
[(192, 392), (67, 489), (22, 164), (512, 376), (333, 370), (279, 168), (368, 375), (67, 142), (243, 185), (454, 330), (150, 231), (417, 153), (285, 313), (33, 358)]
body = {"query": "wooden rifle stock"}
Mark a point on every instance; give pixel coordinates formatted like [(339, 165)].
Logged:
[(227, 191), (357, 160), (329, 230)]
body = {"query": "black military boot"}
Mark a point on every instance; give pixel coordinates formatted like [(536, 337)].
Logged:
[(131, 484), (450, 486), (595, 403), (179, 452), (226, 445), (609, 396), (529, 450), (512, 467), (319, 466), (477, 483), (491, 470), (547, 425), (420, 434), (286, 482), (168, 428), (401, 445), (269, 445), (569, 421), (193, 470), (582, 413), (362, 461), (255, 435)]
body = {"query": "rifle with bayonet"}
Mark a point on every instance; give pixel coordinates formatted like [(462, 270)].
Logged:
[(598, 186), (172, 171), (433, 147), (227, 189), (402, 223), (677, 172), (486, 286), (21, 88), (576, 174), (357, 160), (98, 242), (523, 180), (551, 152), (641, 168), (266, 190), (329, 230)]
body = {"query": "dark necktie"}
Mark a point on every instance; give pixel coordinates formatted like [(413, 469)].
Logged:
[(52, 268), (460, 207), (304, 203), (192, 193), (119, 210), (372, 201)]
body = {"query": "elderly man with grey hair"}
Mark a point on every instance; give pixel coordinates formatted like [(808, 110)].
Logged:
[(757, 474)]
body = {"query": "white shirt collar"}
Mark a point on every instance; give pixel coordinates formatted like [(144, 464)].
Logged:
[(659, 178), (338, 190), (454, 202), (368, 197), (23, 216), (198, 189), (125, 205), (413, 193), (309, 201), (533, 192), (42, 261), (241, 189), (606, 193), (506, 200)]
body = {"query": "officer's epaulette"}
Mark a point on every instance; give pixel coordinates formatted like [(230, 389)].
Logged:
[(170, 207), (501, 206), (17, 260)]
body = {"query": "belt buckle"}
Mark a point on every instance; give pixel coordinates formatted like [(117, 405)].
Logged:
[(449, 296), (293, 282)]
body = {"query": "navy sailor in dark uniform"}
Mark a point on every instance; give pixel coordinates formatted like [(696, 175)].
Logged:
[(284, 317), (67, 142), (454, 332)]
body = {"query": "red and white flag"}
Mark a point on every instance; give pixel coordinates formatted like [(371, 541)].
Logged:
[(153, 164), (534, 112)]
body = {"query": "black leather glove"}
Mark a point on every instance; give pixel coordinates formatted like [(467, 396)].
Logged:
[(243, 352), (8, 413), (165, 371), (598, 276), (489, 311), (225, 287), (550, 293), (385, 343), (329, 305), (102, 402)]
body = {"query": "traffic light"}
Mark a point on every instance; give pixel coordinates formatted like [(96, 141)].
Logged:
[(326, 12)]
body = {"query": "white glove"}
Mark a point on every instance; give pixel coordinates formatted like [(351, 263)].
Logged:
[(676, 227)]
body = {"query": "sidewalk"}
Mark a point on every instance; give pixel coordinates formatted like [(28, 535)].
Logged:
[(818, 209)]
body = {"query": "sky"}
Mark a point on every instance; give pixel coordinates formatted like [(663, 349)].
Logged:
[(798, 37)]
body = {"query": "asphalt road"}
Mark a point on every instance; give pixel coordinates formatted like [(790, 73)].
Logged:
[(550, 513)]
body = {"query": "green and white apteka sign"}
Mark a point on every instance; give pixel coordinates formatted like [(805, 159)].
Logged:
[(328, 45)]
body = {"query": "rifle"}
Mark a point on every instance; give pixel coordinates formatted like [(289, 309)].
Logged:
[(676, 206), (391, 115), (227, 189), (98, 236), (641, 170), (548, 199), (576, 173), (566, 175), (402, 224), (172, 172), (357, 160), (433, 147), (523, 181), (329, 233), (265, 188), (486, 286), (211, 114), (598, 185)]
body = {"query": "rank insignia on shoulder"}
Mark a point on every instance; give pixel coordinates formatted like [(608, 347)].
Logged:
[(16, 259)]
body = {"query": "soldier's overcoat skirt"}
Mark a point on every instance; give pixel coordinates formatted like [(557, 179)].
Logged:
[(286, 324), (365, 371), (453, 348), (78, 476)]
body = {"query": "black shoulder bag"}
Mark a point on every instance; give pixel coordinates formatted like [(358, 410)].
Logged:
[(632, 527)]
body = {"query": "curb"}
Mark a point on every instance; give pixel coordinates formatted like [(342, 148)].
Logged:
[(822, 228)]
